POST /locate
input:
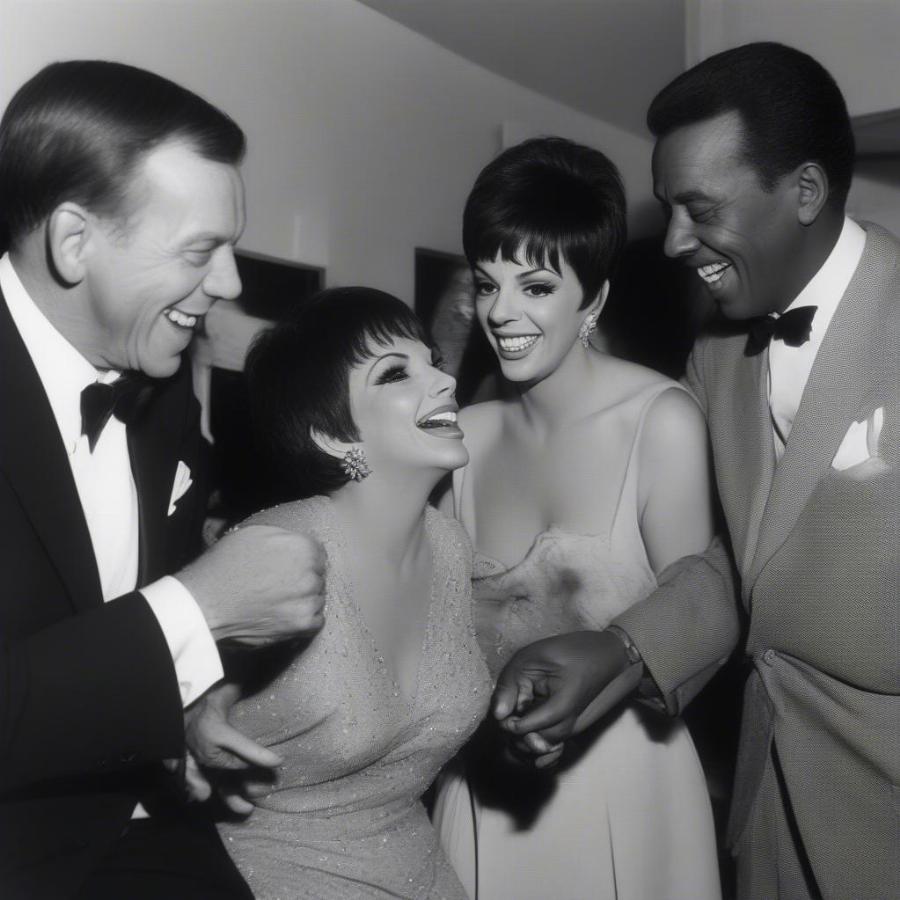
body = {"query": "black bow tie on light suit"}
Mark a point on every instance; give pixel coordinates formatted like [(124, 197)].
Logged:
[(793, 328), (125, 398)]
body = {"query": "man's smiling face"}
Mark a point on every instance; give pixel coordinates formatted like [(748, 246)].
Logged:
[(152, 277), (741, 239)]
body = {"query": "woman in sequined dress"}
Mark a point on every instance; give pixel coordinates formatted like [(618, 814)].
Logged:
[(582, 487), (361, 425)]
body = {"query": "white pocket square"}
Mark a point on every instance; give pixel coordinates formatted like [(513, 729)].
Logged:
[(860, 443), (180, 487)]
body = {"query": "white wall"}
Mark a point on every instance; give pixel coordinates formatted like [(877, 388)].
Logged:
[(858, 41), (364, 137)]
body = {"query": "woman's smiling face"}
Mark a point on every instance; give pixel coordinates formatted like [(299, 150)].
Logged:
[(530, 313), (404, 408)]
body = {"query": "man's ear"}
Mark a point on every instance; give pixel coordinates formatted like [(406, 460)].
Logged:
[(68, 233), (329, 445), (812, 182)]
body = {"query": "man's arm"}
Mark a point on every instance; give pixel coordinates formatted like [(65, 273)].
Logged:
[(687, 628), (682, 632), (97, 692), (559, 686), (91, 694)]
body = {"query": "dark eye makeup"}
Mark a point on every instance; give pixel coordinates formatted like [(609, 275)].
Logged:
[(391, 373)]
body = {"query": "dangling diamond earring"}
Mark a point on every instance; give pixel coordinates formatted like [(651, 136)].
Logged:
[(588, 327), (355, 464)]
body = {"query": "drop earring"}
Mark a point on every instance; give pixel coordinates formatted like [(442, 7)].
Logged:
[(588, 327)]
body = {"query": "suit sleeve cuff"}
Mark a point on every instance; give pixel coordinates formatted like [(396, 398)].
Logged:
[(194, 652), (647, 689)]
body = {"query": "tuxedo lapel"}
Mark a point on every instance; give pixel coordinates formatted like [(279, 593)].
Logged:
[(754, 446), (34, 459), (147, 442), (832, 400)]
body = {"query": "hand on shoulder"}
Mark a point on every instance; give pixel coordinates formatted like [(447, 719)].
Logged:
[(259, 585)]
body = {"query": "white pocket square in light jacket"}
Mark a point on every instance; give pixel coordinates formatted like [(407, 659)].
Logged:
[(180, 487), (860, 442)]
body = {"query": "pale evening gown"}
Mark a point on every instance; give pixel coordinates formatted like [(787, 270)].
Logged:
[(344, 818), (626, 814)]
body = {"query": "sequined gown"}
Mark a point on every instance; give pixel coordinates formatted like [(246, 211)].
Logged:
[(626, 815), (344, 818)]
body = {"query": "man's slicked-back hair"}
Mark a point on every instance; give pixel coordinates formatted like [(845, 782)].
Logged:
[(791, 109), (298, 377), (77, 130), (544, 199)]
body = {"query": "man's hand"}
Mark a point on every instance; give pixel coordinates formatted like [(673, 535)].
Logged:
[(554, 688), (215, 745), (259, 585)]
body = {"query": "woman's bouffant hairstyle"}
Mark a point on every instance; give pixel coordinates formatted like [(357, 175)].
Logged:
[(544, 199), (77, 131), (298, 377), (791, 109)]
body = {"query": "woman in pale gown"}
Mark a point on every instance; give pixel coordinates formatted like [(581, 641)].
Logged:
[(360, 425), (582, 487)]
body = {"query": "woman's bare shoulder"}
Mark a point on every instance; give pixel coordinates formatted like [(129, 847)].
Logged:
[(622, 388), (629, 378), (675, 419), (482, 421)]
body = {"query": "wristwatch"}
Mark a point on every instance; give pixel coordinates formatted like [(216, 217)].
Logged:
[(632, 654)]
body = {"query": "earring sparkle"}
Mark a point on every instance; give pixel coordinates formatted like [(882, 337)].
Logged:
[(588, 327), (355, 464)]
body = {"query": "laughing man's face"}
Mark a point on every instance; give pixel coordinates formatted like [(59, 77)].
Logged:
[(739, 238), (155, 269)]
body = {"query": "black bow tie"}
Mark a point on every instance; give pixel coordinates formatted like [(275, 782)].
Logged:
[(125, 399), (793, 328)]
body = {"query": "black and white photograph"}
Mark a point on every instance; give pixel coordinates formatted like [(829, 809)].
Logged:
[(449, 449)]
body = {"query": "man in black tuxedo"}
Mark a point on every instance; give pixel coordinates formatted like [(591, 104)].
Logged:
[(121, 202)]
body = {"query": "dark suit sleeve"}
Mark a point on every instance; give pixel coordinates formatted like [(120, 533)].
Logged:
[(689, 626), (94, 692), (91, 694)]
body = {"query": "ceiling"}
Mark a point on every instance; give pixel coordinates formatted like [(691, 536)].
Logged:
[(574, 51)]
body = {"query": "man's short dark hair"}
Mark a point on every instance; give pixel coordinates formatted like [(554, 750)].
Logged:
[(544, 198), (77, 130), (298, 374), (791, 108)]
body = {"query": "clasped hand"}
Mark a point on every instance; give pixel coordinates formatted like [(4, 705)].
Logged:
[(559, 686)]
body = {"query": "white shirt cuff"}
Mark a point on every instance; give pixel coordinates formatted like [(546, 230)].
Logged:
[(197, 663)]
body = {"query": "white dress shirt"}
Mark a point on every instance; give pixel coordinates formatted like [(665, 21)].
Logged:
[(789, 367), (107, 492)]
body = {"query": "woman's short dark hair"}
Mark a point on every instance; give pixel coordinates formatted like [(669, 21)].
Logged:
[(791, 109), (545, 198), (77, 130), (298, 375)]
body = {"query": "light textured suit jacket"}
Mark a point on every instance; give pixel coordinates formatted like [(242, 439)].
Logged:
[(818, 550)]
